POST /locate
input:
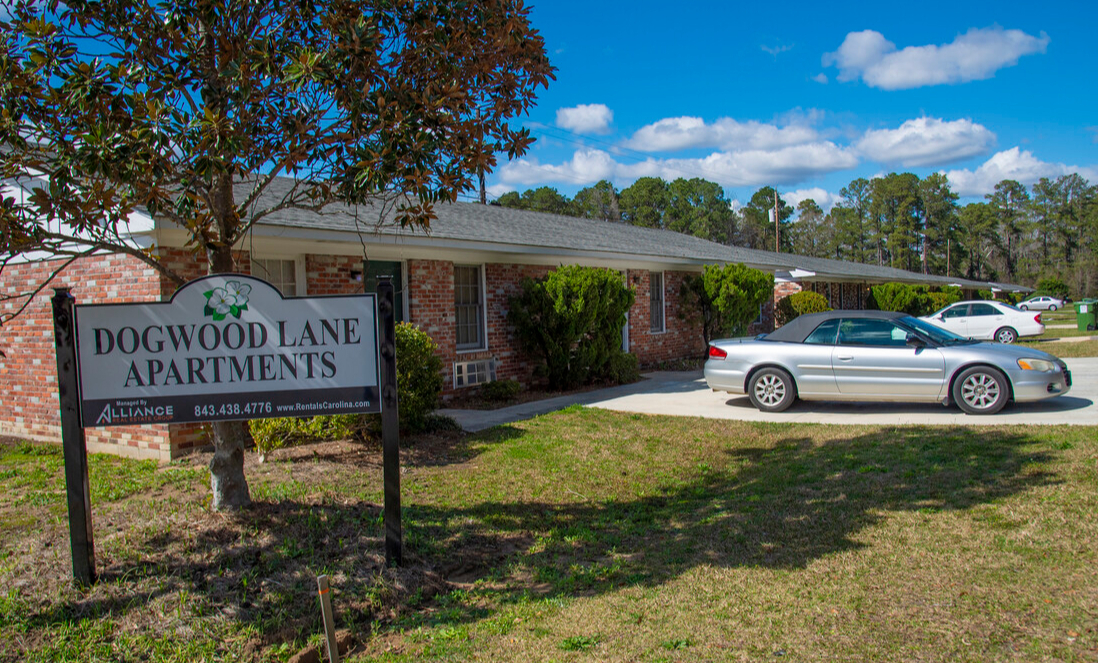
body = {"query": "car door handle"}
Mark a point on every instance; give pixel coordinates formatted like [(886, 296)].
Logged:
[(844, 357)]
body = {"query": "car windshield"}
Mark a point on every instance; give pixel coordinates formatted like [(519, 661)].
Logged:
[(936, 334)]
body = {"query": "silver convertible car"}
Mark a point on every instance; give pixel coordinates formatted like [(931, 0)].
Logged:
[(880, 356)]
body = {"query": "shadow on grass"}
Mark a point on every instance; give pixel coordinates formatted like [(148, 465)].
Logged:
[(779, 506), (782, 507)]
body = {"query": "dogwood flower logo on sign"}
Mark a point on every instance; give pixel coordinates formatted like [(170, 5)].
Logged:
[(230, 300)]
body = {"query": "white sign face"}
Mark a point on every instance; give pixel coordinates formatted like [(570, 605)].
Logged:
[(227, 347)]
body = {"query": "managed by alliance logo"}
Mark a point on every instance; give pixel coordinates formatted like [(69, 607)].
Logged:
[(230, 300)]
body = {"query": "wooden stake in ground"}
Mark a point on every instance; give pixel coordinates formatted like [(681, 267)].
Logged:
[(329, 618)]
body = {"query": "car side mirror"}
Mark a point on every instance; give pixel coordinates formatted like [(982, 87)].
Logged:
[(942, 317)]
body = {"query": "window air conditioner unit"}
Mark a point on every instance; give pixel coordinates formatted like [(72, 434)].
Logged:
[(469, 373)]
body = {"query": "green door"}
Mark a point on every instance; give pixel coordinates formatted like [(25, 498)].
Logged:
[(372, 269)]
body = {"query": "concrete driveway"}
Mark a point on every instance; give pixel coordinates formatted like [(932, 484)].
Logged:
[(686, 394)]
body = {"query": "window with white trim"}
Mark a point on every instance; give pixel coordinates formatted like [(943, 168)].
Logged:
[(280, 273), (469, 307), (655, 302)]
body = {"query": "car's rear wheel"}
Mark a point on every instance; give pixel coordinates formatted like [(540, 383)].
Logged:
[(1006, 335), (772, 390), (981, 390)]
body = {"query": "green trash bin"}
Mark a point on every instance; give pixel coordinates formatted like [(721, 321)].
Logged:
[(1085, 314)]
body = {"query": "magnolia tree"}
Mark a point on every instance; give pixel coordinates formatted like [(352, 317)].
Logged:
[(212, 114)]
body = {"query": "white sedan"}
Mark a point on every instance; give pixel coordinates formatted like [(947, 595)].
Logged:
[(1043, 303), (987, 320)]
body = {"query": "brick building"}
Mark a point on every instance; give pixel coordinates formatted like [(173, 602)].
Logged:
[(453, 281)]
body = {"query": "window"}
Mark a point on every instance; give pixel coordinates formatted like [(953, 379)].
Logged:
[(956, 312), (879, 333), (282, 274), (984, 309), (469, 307), (824, 334), (655, 301)]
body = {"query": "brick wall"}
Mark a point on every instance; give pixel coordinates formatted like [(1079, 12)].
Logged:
[(29, 371), (504, 282), (781, 291), (681, 338), (331, 275), (431, 307)]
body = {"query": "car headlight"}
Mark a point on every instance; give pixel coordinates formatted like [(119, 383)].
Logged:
[(1036, 365)]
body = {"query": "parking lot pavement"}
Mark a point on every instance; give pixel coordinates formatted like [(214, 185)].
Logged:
[(687, 395)]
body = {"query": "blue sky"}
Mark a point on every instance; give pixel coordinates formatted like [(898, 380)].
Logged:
[(808, 96)]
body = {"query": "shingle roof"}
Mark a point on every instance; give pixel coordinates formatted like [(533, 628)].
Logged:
[(513, 230)]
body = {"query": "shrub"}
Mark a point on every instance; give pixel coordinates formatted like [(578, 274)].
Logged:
[(623, 368), (901, 297), (798, 304), (419, 384), (271, 434), (419, 376), (571, 320), (937, 301), (501, 390), (1052, 286), (725, 299)]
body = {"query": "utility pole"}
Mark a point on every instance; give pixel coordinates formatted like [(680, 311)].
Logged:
[(777, 225), (926, 266)]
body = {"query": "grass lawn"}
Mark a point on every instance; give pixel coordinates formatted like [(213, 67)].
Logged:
[(1065, 350), (585, 535)]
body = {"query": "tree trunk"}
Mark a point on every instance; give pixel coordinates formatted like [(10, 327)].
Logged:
[(227, 482)]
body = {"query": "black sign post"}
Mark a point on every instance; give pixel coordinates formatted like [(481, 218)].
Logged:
[(390, 421), (72, 439)]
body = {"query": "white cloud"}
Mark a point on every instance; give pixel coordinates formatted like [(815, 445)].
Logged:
[(974, 55), (784, 166), (820, 78), (926, 141), (586, 118), (496, 190), (681, 133), (777, 50), (1012, 164), (825, 199), (586, 166)]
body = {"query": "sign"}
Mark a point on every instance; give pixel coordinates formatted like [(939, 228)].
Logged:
[(227, 347)]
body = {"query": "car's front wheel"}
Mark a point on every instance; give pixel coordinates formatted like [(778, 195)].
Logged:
[(981, 390), (772, 390), (1053, 307), (1006, 335)]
